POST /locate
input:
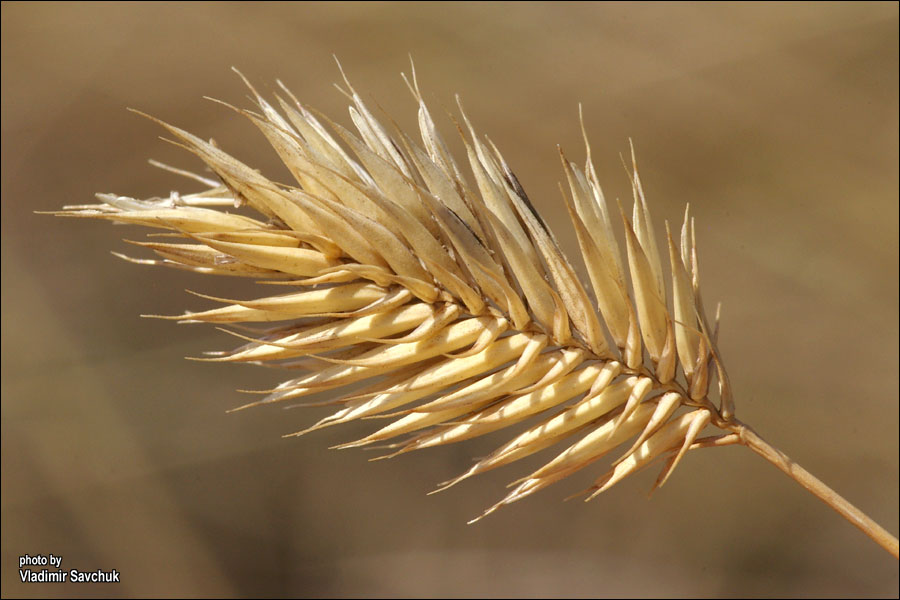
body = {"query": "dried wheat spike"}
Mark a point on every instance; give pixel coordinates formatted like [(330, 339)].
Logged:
[(450, 299)]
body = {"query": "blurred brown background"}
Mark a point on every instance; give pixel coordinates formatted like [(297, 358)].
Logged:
[(778, 123)]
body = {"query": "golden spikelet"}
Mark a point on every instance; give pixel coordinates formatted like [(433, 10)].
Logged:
[(448, 297)]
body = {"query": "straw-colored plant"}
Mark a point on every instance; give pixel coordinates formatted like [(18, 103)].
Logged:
[(450, 298)]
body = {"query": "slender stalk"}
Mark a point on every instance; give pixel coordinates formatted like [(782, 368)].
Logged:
[(778, 458)]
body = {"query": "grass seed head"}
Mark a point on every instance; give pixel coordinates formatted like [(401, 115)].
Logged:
[(445, 295)]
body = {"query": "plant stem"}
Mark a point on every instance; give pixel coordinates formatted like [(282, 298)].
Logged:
[(778, 458)]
